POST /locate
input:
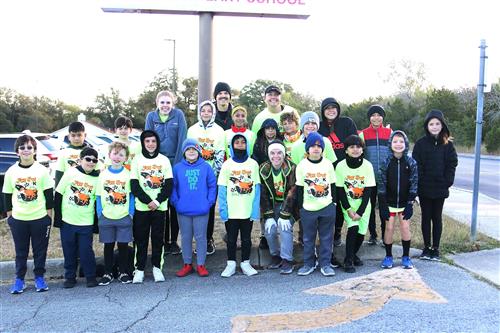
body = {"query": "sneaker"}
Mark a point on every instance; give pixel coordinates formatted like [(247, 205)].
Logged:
[(335, 263), (230, 269), (357, 261), (106, 279), (40, 284), (168, 248), (91, 282), (387, 262), (349, 266), (406, 262), (435, 255), (275, 262), (185, 270), (158, 275), (426, 254), (210, 247), (69, 283), (327, 271), (305, 270), (18, 287), (372, 240), (286, 267), (138, 276), (202, 270), (247, 269), (263, 243), (124, 278), (175, 249), (337, 242)]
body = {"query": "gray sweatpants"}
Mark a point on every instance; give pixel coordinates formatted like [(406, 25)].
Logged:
[(284, 249), (197, 226)]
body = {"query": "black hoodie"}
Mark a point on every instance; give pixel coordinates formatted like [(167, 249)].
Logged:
[(337, 130)]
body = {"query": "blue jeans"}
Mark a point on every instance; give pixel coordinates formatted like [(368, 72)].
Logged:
[(284, 249)]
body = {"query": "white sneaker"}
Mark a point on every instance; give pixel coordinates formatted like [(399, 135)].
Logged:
[(138, 276), (247, 269), (230, 269), (158, 275)]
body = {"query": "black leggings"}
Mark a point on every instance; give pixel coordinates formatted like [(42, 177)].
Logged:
[(244, 227), (432, 210), (109, 257)]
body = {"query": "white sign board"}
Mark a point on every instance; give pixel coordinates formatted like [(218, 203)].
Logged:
[(254, 8)]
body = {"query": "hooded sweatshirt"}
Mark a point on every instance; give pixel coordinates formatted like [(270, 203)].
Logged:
[(336, 130), (398, 178), (172, 132), (151, 176), (436, 159), (193, 183), (210, 138), (261, 142)]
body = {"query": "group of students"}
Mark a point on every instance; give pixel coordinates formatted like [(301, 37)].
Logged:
[(289, 168)]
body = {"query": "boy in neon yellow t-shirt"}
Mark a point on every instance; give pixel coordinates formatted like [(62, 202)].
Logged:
[(74, 214), (355, 181), (69, 156), (315, 180), (123, 128)]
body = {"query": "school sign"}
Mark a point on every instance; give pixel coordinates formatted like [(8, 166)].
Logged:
[(295, 9)]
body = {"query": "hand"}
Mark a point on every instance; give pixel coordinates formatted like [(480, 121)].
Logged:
[(408, 212), (384, 212), (152, 206), (356, 217), (284, 224), (350, 213), (269, 224), (49, 213)]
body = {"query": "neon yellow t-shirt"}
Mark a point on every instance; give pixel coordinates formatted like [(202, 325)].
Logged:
[(151, 174), (316, 178), (26, 186), (279, 186), (78, 203), (299, 151), (266, 114), (211, 141), (114, 189), (68, 158), (240, 180), (134, 149)]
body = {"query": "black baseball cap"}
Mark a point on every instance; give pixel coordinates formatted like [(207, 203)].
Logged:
[(272, 88)]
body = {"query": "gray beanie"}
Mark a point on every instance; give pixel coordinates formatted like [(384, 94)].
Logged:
[(309, 117)]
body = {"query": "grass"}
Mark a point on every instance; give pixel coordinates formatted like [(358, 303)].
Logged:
[(455, 238), (470, 150)]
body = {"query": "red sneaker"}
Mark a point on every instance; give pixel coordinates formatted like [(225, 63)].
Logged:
[(185, 270), (202, 270)]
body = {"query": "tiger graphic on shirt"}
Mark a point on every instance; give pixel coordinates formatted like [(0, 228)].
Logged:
[(80, 193), (152, 176), (355, 186), (317, 184), (116, 190), (26, 188), (241, 181)]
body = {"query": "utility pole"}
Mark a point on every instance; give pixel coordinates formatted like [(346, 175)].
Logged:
[(174, 71)]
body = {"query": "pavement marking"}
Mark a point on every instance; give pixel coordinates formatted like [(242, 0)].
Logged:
[(364, 295)]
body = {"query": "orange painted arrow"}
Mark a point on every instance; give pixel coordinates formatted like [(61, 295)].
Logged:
[(364, 296)]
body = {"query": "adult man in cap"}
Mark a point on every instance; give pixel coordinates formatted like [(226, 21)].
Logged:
[(272, 97), (223, 106)]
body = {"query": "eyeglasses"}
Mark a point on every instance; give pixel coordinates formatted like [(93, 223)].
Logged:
[(165, 102), (90, 159), (26, 147)]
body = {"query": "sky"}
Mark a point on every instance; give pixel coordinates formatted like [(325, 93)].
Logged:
[(71, 50)]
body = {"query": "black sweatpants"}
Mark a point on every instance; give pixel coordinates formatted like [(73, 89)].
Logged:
[(146, 222), (36, 231), (244, 227), (171, 225), (372, 224), (339, 220), (432, 218)]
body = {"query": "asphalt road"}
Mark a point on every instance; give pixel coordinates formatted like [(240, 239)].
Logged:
[(458, 302), (489, 176)]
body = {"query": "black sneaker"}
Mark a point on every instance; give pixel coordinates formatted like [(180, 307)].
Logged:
[(337, 242), (69, 283), (286, 267), (210, 247), (357, 261), (435, 255), (263, 243), (275, 262), (91, 282), (372, 240), (106, 279), (426, 254), (175, 249), (335, 263), (349, 266), (167, 248), (124, 278)]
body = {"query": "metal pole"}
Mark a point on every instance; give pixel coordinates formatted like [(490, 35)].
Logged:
[(479, 129), (205, 57), (174, 72)]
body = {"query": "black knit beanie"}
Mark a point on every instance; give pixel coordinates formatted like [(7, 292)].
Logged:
[(375, 109), (221, 86)]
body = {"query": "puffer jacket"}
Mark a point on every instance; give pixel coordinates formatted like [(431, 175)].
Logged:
[(377, 150)]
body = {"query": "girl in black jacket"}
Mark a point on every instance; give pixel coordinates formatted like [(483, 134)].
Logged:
[(437, 160)]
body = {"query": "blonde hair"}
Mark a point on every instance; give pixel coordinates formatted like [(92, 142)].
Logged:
[(117, 146), (166, 93)]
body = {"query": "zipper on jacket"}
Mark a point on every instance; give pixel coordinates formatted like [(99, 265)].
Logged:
[(399, 179), (378, 150)]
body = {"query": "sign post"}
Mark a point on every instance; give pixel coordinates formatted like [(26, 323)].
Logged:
[(206, 10)]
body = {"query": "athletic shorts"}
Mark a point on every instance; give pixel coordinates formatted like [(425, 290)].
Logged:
[(111, 230)]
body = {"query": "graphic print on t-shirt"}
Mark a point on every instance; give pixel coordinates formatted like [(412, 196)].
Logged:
[(317, 184), (80, 195), (27, 189), (241, 181), (355, 186), (116, 189), (72, 160), (153, 176), (207, 148)]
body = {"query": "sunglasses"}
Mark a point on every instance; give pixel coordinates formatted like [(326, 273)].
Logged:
[(90, 159), (26, 147)]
